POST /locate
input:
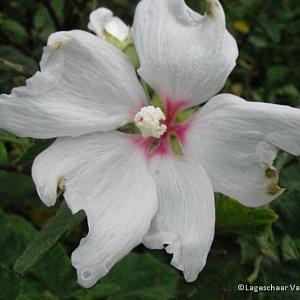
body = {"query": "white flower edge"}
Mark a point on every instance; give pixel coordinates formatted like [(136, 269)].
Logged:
[(102, 19), (74, 94), (236, 141), (185, 219), (183, 55), (99, 174)]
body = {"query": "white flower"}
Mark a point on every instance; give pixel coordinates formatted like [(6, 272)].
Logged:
[(135, 189), (102, 19)]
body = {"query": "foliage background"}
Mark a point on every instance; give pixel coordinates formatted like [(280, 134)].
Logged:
[(261, 246)]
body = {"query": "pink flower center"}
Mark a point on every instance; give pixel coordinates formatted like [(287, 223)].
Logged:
[(162, 146)]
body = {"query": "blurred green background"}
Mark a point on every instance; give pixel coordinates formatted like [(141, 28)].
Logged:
[(258, 246)]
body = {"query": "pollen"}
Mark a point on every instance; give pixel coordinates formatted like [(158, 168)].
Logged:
[(149, 120)]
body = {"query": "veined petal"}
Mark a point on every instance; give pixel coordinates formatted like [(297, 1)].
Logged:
[(102, 19), (85, 85), (106, 176), (236, 141), (185, 217), (183, 55)]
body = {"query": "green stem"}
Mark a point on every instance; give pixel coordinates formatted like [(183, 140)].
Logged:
[(256, 269)]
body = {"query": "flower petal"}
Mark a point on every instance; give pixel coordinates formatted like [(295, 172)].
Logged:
[(98, 19), (118, 29), (102, 19), (186, 215), (183, 55), (85, 85), (105, 175), (236, 141)]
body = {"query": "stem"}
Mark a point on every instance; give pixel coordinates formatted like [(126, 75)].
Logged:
[(256, 269), (16, 67)]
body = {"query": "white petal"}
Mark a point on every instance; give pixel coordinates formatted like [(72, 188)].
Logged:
[(186, 215), (102, 19), (98, 19), (105, 175), (183, 55), (236, 141), (85, 85), (117, 28)]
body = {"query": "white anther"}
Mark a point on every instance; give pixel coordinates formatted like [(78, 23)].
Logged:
[(148, 120)]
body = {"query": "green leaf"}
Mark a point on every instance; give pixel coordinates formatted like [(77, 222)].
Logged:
[(36, 148), (33, 296), (289, 249), (18, 190), (137, 277), (13, 28), (54, 273), (276, 73), (218, 280), (53, 276), (258, 249), (58, 7), (249, 249), (287, 273), (258, 41), (288, 209), (43, 22), (3, 153), (16, 231), (268, 246), (12, 287), (98, 292), (63, 223), (11, 138), (272, 29), (232, 217)]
